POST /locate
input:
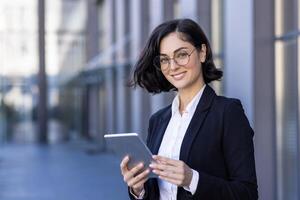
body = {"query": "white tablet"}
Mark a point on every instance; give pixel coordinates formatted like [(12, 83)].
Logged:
[(130, 144)]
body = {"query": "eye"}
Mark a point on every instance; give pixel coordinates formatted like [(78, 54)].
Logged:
[(163, 60), (181, 54)]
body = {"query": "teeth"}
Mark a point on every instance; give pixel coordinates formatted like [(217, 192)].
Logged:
[(178, 76)]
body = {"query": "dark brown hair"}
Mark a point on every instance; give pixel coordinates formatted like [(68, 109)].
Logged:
[(152, 79)]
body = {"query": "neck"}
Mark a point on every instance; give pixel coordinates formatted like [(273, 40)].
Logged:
[(186, 95)]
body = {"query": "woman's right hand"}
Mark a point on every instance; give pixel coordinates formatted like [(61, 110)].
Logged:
[(133, 177)]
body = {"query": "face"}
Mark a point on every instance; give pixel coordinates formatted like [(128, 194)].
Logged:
[(183, 77)]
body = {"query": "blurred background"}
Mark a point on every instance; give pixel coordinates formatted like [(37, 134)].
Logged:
[(64, 66)]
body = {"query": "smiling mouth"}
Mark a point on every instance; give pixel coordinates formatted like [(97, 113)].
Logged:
[(178, 76)]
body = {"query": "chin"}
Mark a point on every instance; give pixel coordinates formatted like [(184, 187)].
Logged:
[(179, 86)]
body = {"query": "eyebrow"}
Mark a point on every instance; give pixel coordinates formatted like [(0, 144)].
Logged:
[(162, 54)]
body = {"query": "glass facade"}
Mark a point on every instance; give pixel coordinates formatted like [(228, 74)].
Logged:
[(18, 48)]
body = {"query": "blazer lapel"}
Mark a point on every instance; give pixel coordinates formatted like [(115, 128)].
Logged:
[(161, 128), (196, 122)]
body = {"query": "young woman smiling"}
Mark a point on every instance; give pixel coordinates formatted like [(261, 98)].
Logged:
[(202, 142)]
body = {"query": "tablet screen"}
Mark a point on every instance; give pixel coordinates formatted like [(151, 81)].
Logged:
[(130, 144)]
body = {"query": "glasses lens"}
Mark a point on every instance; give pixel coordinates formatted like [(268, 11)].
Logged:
[(181, 57), (161, 62)]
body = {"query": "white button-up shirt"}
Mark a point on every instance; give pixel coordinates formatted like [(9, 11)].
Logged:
[(171, 144)]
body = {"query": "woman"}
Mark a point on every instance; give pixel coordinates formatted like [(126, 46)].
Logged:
[(202, 142)]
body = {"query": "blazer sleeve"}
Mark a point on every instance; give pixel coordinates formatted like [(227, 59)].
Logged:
[(238, 150)]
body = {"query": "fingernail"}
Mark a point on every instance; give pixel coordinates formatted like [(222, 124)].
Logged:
[(151, 165)]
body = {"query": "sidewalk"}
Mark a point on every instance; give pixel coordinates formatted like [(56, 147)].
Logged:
[(59, 172)]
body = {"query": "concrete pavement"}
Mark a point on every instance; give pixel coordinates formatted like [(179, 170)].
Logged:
[(59, 172)]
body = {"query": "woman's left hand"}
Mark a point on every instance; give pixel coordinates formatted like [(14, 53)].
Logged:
[(173, 171)]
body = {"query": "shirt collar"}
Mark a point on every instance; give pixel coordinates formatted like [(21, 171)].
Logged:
[(191, 107)]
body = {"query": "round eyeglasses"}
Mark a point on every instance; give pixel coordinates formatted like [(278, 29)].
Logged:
[(181, 57)]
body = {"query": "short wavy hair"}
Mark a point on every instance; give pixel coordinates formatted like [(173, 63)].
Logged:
[(149, 77)]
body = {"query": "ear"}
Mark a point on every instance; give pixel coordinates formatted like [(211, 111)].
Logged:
[(203, 53)]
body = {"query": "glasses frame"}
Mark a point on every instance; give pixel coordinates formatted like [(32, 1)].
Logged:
[(169, 61)]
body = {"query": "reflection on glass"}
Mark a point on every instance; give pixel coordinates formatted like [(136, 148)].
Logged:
[(65, 57), (287, 119), (298, 16), (299, 105), (286, 15), (18, 67), (217, 38), (176, 9), (278, 17)]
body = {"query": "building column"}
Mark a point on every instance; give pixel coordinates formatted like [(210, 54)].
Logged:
[(109, 73), (140, 103), (42, 78), (92, 35), (264, 102), (167, 12), (122, 33), (238, 72), (85, 109), (203, 16), (92, 48), (93, 112)]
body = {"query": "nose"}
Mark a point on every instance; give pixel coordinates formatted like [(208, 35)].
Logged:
[(173, 64)]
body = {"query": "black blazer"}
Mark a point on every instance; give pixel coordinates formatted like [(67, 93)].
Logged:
[(218, 144)]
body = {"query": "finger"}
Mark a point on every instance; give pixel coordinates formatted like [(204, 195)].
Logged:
[(140, 183), (167, 160), (135, 180), (139, 178), (163, 167), (169, 174), (133, 171), (155, 159), (142, 175), (124, 163)]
